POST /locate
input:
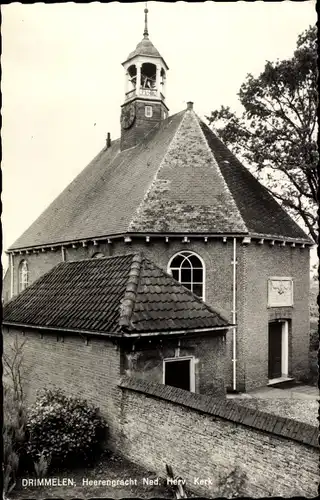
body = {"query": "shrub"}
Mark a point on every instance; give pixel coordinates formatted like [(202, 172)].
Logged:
[(64, 429), (234, 484), (314, 338), (14, 438), (42, 465), (14, 415)]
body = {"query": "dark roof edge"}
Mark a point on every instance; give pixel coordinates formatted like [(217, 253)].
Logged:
[(62, 330), (116, 334), (221, 329), (306, 241)]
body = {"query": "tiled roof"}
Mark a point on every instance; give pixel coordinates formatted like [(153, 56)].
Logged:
[(179, 179), (110, 295), (260, 211)]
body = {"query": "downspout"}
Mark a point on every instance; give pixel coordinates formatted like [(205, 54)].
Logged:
[(234, 316), (11, 274), (63, 255)]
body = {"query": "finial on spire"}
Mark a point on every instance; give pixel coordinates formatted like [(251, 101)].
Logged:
[(145, 33)]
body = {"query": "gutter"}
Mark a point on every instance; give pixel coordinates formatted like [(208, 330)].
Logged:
[(299, 241), (11, 274), (176, 332), (234, 316), (114, 334), (59, 329)]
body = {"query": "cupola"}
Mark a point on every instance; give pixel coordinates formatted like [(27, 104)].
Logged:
[(145, 89)]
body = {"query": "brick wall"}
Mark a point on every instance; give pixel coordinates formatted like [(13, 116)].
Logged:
[(142, 124), (144, 360), (256, 263), (90, 371), (203, 437)]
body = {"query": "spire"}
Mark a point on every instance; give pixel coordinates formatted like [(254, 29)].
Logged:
[(145, 33)]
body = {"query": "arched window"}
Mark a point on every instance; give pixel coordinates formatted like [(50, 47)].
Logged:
[(23, 275), (188, 268), (97, 255)]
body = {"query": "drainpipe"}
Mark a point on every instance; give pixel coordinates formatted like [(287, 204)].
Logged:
[(63, 255), (234, 316), (11, 274)]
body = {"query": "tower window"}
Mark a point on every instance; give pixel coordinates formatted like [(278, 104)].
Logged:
[(148, 111), (23, 275), (188, 268)]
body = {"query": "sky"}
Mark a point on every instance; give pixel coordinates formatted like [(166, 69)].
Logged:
[(63, 82)]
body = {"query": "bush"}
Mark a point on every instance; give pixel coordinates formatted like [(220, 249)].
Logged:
[(64, 430), (234, 484), (14, 438), (314, 338)]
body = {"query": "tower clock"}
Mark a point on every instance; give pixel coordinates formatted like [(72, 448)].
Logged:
[(128, 115)]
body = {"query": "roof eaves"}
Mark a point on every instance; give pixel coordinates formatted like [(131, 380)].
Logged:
[(63, 330), (128, 301), (146, 55), (221, 329)]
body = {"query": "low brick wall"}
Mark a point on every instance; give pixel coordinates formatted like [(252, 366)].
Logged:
[(204, 439)]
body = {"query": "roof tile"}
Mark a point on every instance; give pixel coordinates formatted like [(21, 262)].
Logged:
[(109, 295), (180, 178)]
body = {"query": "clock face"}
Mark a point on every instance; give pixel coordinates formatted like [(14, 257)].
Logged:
[(128, 115)]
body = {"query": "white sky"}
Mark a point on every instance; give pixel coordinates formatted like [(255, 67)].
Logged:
[(63, 83)]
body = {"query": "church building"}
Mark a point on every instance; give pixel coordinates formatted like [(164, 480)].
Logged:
[(168, 250)]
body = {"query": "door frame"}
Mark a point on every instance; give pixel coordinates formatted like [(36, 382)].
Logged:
[(192, 370), (284, 347)]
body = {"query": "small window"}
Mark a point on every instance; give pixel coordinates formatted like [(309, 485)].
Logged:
[(188, 268), (23, 275), (148, 111), (179, 372)]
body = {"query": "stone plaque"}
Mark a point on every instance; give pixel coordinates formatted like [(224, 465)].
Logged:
[(280, 292)]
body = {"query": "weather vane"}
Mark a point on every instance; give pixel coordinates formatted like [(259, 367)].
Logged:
[(145, 33)]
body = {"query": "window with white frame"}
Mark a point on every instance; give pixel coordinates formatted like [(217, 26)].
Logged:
[(188, 268), (23, 275), (148, 111)]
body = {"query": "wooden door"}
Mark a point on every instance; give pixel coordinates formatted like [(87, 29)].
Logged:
[(275, 338)]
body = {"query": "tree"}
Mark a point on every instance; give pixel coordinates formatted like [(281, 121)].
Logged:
[(277, 131)]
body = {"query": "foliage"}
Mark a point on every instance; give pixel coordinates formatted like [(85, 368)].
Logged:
[(277, 133), (234, 484), (314, 337), (42, 465), (14, 416), (13, 367), (64, 429)]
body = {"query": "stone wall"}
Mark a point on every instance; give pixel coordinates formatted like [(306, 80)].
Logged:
[(258, 263), (255, 264), (143, 359), (205, 439), (87, 368)]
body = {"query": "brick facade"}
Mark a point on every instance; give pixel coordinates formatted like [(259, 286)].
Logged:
[(281, 456), (142, 124), (255, 264), (145, 360)]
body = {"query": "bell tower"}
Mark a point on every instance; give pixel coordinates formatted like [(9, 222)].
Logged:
[(145, 89)]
